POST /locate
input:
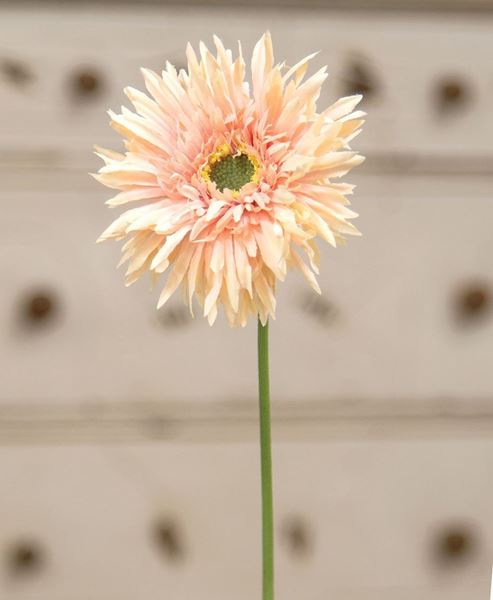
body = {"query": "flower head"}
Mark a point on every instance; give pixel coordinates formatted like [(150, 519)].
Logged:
[(232, 182)]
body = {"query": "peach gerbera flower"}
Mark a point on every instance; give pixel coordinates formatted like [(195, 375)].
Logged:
[(232, 182)]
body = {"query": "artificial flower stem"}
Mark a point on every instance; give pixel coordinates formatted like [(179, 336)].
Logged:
[(266, 464)]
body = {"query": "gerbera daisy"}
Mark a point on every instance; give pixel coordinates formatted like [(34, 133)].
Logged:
[(233, 181)]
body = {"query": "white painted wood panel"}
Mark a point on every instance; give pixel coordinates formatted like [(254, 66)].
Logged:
[(407, 57), (371, 514), (386, 330), (114, 417)]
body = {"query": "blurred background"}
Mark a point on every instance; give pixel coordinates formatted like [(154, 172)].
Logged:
[(128, 437)]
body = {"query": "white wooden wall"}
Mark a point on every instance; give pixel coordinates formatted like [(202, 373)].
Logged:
[(128, 449)]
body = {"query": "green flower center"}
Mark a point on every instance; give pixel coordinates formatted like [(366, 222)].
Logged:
[(232, 172)]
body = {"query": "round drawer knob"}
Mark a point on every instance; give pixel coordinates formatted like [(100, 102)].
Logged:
[(360, 79), (455, 544), (168, 539), (452, 93), (25, 557), (297, 537), (40, 307), (473, 301), (15, 72), (86, 83)]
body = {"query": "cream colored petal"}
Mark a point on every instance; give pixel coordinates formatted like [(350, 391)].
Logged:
[(109, 156), (135, 195), (131, 125), (343, 106), (212, 295), (171, 243), (271, 248), (262, 63), (193, 272), (243, 268), (214, 209), (308, 275), (217, 258), (299, 69), (232, 284), (142, 253), (176, 276), (265, 294)]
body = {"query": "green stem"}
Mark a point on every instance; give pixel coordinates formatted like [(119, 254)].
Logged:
[(265, 464)]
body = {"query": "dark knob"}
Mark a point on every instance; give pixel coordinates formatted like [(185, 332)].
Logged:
[(455, 544), (452, 93), (360, 79), (297, 536), (16, 72), (473, 301), (24, 557), (87, 83), (168, 539), (39, 307)]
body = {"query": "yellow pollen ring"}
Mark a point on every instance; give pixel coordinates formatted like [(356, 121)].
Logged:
[(222, 152)]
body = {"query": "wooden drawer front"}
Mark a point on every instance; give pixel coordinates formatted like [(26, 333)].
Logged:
[(426, 77), (355, 520), (396, 324)]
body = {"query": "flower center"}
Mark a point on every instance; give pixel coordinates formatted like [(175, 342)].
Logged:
[(231, 171)]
